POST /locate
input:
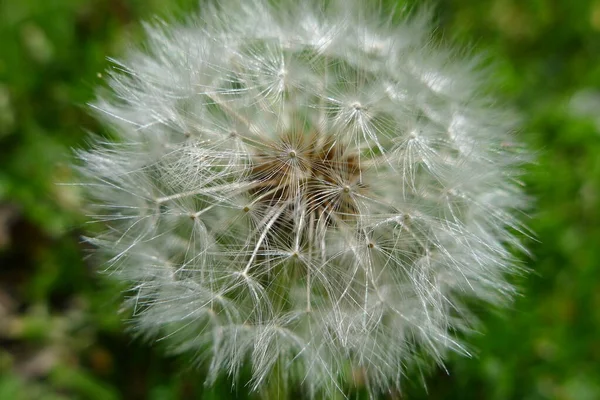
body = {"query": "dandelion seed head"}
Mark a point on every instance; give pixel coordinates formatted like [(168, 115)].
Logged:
[(307, 189)]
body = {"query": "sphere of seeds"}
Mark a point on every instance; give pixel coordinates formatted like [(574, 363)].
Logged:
[(308, 189)]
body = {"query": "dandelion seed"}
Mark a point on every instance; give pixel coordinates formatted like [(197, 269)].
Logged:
[(306, 190)]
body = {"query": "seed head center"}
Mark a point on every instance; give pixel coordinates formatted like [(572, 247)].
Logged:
[(320, 167)]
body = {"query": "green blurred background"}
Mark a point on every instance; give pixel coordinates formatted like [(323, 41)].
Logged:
[(62, 334)]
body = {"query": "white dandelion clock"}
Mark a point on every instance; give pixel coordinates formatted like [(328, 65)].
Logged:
[(304, 190)]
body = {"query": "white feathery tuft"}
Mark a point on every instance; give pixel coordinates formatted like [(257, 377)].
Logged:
[(308, 189)]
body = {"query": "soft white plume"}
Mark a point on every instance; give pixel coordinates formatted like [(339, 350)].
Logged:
[(310, 189)]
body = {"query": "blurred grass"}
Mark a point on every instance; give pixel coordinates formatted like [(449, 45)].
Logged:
[(61, 332)]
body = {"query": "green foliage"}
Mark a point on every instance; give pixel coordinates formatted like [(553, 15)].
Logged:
[(61, 333)]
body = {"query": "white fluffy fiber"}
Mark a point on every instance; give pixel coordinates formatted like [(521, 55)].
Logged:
[(307, 189)]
